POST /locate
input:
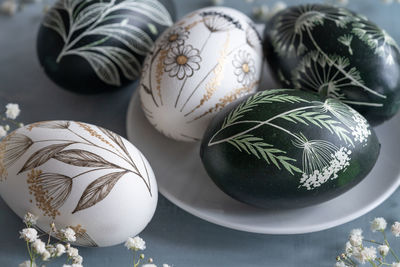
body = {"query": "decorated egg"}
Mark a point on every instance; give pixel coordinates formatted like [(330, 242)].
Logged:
[(203, 62), (337, 53), (288, 148), (80, 176), (95, 46)]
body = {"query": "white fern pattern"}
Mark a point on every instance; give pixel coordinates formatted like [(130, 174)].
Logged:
[(321, 160), (91, 18), (318, 70)]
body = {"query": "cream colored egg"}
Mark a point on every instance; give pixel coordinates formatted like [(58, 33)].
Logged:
[(203, 62), (78, 175)]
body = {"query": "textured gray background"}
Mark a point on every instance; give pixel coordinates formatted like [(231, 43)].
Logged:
[(173, 236)]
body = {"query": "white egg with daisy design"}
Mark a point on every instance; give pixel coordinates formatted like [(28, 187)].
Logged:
[(208, 59)]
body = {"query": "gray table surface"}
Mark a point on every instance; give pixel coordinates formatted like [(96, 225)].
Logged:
[(173, 236)]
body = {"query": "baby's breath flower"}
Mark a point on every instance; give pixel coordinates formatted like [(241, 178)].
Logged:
[(27, 264), (12, 111), (30, 219), (261, 12), (135, 243), (365, 254), (378, 224), (46, 255), (348, 249), (357, 231), (3, 131), (383, 250), (356, 237), (396, 229), (60, 250), (68, 234), (149, 265), (340, 264), (7, 127), (39, 246), (77, 259), (29, 234), (72, 252), (280, 5), (396, 264), (8, 7)]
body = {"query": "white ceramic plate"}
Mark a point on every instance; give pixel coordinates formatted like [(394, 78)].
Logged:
[(183, 180)]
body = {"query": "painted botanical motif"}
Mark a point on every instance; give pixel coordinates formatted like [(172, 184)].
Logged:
[(245, 67), (180, 62), (319, 71), (377, 39), (321, 160), (109, 20), (51, 190)]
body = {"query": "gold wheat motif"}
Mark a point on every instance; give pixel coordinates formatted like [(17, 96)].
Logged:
[(214, 83), (160, 72)]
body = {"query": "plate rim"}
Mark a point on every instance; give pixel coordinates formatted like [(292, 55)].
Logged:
[(267, 230)]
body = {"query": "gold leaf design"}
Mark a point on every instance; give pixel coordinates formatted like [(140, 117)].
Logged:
[(228, 98), (160, 72), (215, 82), (42, 156), (50, 190), (94, 133), (98, 190), (12, 148), (82, 158), (115, 138)]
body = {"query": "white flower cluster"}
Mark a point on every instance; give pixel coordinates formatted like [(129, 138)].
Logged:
[(12, 112), (361, 131), (135, 243), (355, 248), (340, 160), (48, 251)]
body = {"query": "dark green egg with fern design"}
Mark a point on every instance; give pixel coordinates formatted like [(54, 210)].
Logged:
[(92, 46), (337, 53), (287, 148)]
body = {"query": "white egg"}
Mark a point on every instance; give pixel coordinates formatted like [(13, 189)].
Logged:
[(78, 175), (203, 62)]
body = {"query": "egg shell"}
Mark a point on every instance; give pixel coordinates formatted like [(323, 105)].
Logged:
[(288, 149), (337, 53), (78, 175), (203, 62), (105, 46)]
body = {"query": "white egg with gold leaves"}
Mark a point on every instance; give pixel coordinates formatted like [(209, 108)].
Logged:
[(205, 61), (78, 175)]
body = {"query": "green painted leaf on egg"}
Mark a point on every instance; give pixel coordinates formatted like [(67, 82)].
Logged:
[(285, 148)]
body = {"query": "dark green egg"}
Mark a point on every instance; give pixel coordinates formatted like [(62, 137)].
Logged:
[(91, 46), (288, 148), (337, 53)]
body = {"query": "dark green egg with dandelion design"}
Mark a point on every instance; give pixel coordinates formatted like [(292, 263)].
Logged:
[(337, 53), (91, 46), (288, 148)]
